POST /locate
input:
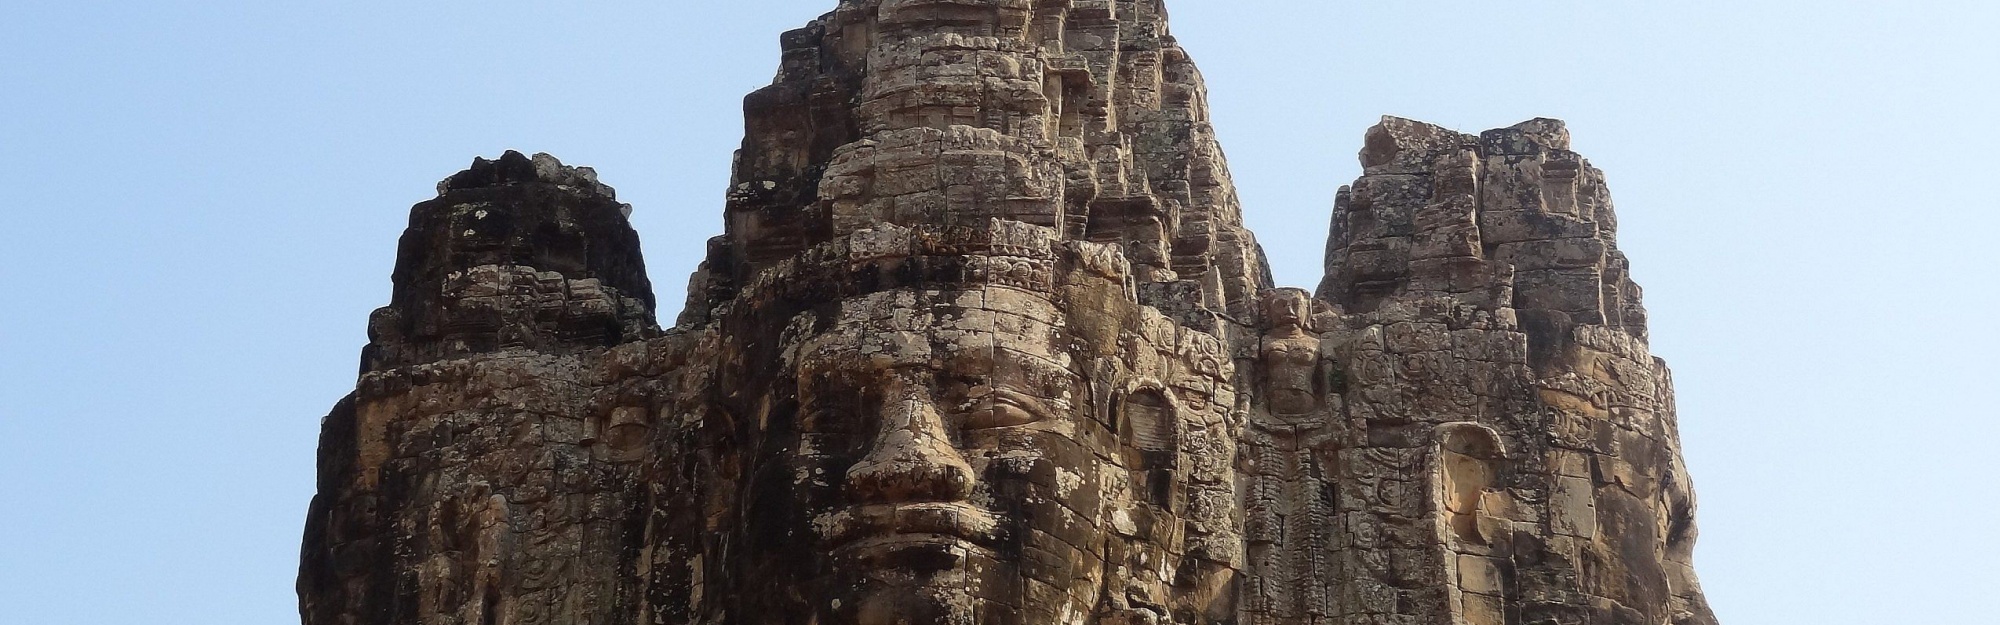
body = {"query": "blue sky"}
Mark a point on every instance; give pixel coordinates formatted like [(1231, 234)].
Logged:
[(201, 202)]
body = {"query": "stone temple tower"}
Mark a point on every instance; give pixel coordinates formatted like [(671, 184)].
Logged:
[(985, 342)]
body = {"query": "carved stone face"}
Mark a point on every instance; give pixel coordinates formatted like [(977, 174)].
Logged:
[(1287, 308), (972, 427), (960, 472)]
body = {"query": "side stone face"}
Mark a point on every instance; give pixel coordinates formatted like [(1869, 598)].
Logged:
[(516, 252), (487, 467), (1495, 352), (985, 343)]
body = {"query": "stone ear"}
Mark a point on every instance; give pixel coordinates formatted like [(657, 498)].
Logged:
[(1469, 459), (1149, 418), (1473, 511)]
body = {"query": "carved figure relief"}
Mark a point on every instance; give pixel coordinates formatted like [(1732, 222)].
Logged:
[(1291, 505), (1295, 379)]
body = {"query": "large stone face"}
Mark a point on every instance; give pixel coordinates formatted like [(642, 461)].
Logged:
[(1499, 399), (985, 342)]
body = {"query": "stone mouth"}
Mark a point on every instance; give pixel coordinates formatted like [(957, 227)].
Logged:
[(889, 527)]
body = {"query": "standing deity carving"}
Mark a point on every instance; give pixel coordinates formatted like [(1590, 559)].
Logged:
[(1297, 381)]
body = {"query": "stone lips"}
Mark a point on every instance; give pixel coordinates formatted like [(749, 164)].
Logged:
[(985, 342), (934, 520)]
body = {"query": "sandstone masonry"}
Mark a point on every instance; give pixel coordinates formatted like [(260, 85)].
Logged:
[(985, 342)]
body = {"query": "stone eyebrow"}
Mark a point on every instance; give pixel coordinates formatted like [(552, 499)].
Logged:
[(1048, 378)]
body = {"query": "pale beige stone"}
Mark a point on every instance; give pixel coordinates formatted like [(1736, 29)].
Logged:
[(1480, 575)]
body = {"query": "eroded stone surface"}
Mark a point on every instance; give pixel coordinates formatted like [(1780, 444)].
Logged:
[(985, 342), (1504, 421)]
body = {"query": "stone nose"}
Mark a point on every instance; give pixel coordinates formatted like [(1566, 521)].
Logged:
[(912, 458)]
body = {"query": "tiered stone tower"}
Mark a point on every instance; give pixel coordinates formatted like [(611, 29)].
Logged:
[(986, 343)]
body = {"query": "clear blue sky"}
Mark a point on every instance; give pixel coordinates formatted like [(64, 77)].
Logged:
[(200, 203)]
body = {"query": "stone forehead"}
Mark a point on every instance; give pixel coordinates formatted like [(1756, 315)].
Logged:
[(913, 309), (988, 346), (890, 257), (911, 321)]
